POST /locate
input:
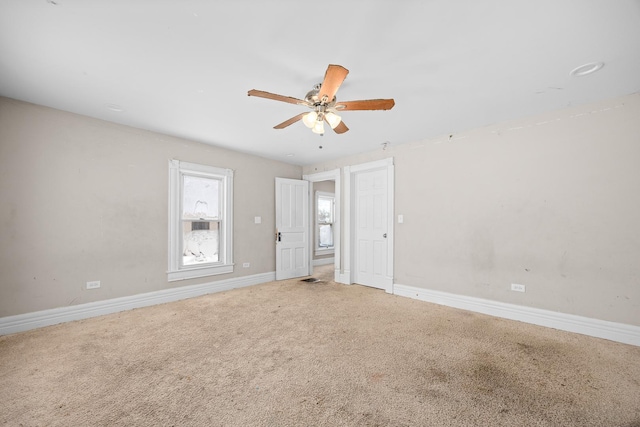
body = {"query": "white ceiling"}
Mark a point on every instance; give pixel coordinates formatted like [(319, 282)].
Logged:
[(183, 67)]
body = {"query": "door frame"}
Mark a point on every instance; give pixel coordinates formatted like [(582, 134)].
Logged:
[(350, 220), (331, 175)]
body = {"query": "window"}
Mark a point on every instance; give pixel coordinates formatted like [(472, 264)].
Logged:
[(200, 220), (325, 212)]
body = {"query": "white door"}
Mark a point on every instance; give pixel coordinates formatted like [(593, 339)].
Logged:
[(371, 233), (292, 228)]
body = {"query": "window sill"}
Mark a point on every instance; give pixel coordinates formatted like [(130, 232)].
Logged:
[(192, 273), (324, 252)]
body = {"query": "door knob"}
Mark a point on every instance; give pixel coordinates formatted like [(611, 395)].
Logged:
[(384, 235)]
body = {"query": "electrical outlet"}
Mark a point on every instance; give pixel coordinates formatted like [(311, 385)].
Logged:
[(93, 285), (245, 265), (518, 288)]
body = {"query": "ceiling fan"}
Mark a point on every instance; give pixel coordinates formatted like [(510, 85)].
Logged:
[(323, 104)]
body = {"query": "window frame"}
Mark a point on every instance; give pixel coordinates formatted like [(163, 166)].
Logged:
[(320, 250), (224, 265)]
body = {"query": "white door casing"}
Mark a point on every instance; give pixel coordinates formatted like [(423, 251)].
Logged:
[(292, 228), (368, 255)]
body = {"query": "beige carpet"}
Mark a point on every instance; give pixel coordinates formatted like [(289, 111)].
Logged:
[(313, 354)]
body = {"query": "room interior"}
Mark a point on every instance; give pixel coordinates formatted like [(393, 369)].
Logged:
[(526, 178), (511, 150)]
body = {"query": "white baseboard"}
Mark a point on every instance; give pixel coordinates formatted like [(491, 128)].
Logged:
[(344, 278), (619, 332), (322, 261), (27, 321)]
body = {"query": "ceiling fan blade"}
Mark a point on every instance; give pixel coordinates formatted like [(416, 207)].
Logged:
[(341, 128), (368, 104), (275, 97), (291, 121), (333, 78)]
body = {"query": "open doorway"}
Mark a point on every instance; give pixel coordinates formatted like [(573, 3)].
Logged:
[(323, 222), (325, 238)]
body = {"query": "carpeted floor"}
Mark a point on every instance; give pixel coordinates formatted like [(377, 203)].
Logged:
[(293, 353)]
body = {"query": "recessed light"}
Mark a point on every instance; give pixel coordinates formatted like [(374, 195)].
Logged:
[(114, 107), (290, 155), (585, 69)]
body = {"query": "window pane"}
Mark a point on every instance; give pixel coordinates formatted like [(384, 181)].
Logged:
[(325, 211), (200, 197), (200, 242), (325, 236)]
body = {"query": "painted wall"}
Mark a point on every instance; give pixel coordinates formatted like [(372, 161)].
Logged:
[(83, 200), (551, 202)]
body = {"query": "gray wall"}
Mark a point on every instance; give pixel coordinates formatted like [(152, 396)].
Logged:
[(551, 202), (84, 200)]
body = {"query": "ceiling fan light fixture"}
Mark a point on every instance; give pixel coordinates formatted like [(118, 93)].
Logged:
[(318, 127), (309, 119), (333, 119)]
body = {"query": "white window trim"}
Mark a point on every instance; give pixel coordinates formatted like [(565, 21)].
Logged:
[(317, 249), (225, 263)]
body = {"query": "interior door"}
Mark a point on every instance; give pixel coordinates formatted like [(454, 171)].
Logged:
[(292, 228), (371, 211)]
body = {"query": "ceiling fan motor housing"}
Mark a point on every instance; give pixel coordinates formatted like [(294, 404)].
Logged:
[(312, 97)]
